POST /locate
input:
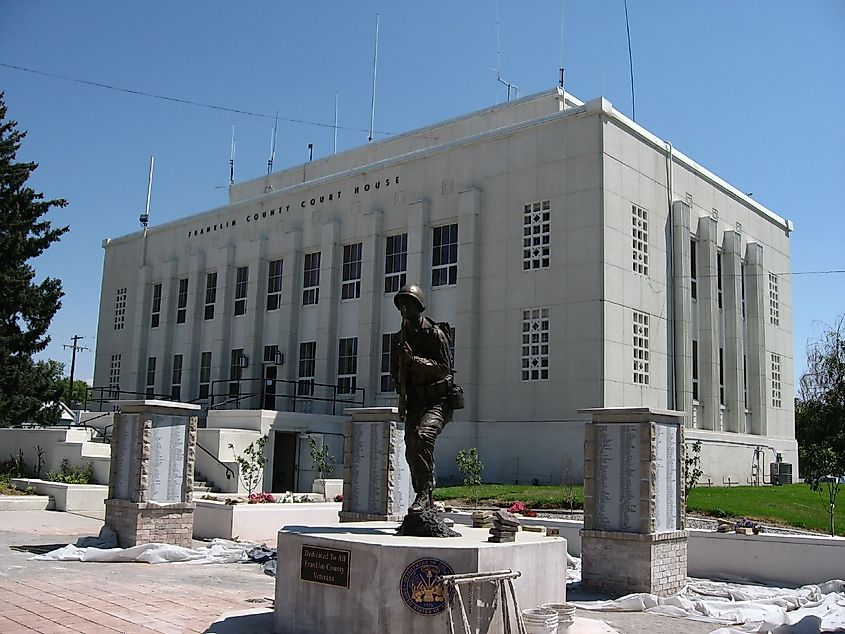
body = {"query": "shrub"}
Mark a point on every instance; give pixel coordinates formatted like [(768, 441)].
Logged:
[(69, 474)]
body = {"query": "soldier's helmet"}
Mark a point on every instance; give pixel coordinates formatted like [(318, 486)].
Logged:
[(413, 291)]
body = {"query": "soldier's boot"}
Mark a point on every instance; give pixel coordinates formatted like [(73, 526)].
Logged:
[(422, 501)]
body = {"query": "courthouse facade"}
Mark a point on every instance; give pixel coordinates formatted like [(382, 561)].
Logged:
[(582, 262)]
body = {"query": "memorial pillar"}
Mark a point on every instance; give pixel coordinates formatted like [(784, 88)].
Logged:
[(634, 537), (151, 479), (376, 477)]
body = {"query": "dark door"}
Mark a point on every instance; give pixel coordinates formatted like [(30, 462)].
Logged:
[(269, 400), (284, 461)]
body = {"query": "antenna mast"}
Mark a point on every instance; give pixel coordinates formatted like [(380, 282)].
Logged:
[(145, 217), (232, 159), (375, 69), (273, 144), (562, 69), (507, 84), (335, 123)]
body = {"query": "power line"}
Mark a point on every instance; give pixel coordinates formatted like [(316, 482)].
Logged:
[(188, 102)]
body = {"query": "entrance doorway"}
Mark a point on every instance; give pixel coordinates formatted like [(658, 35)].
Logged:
[(284, 461), (269, 391)]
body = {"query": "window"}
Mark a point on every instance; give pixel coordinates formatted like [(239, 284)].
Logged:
[(176, 378), (210, 294), (120, 309), (235, 372), (205, 374), (182, 301), (311, 279), (274, 285), (742, 287), (395, 262), (639, 231), (722, 376), (388, 346), (776, 387), (151, 377), (774, 302), (307, 358), (745, 381), (351, 272), (241, 284), (693, 269), (444, 256), (535, 344), (694, 370), (719, 279), (640, 344), (155, 317), (536, 235), (114, 376), (347, 365)]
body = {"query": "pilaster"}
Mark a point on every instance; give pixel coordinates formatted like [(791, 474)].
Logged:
[(469, 274), (682, 327), (708, 330), (756, 295), (732, 297)]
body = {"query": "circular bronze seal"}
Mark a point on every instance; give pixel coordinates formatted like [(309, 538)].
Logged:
[(421, 588)]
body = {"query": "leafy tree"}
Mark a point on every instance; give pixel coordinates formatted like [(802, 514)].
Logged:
[(251, 463), (323, 462), (26, 307), (470, 466), (820, 416), (692, 467), (79, 393)]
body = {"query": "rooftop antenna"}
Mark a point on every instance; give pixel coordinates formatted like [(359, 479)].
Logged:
[(631, 64), (144, 218), (232, 159), (273, 144), (507, 84), (375, 69), (562, 69), (335, 123)]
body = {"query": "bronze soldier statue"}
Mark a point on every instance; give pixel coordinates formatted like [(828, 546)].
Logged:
[(421, 365)]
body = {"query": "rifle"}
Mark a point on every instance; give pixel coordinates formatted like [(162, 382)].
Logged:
[(402, 388)]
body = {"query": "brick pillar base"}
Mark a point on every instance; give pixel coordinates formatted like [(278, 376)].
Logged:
[(622, 563), (143, 523)]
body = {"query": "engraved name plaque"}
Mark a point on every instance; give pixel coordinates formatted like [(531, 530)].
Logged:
[(617, 458), (167, 459)]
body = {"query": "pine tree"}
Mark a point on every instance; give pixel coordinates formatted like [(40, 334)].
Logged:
[(26, 307)]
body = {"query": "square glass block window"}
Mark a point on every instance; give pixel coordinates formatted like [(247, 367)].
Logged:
[(640, 348), (639, 233), (536, 235), (120, 309), (535, 344)]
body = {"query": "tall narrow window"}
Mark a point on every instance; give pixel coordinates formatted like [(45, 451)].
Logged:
[(307, 367), (742, 287), (274, 285), (205, 374), (235, 372), (641, 348), (347, 365), (176, 378), (693, 268), (719, 279), (210, 294), (694, 370), (745, 381), (536, 235), (639, 232), (535, 344), (182, 301), (311, 279), (120, 309), (395, 262), (444, 256), (155, 317), (388, 347), (114, 376), (351, 272), (722, 376), (241, 285), (774, 301), (151, 377), (776, 386)]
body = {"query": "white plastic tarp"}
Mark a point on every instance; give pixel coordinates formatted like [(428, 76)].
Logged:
[(220, 551)]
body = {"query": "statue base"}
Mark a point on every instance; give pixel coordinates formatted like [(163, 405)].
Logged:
[(426, 523)]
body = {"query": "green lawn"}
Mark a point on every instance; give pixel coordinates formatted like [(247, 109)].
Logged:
[(791, 505)]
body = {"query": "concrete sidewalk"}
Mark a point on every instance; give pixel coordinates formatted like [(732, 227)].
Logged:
[(51, 597)]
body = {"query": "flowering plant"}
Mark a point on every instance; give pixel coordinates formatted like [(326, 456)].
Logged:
[(261, 498), (519, 507)]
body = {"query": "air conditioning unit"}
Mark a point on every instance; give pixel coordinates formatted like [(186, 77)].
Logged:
[(780, 473)]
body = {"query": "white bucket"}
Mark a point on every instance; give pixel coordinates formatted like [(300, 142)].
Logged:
[(540, 621), (565, 613)]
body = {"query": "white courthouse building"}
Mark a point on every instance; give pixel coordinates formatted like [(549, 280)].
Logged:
[(581, 260)]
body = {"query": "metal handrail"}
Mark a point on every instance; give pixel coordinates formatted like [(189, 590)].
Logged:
[(229, 473), (293, 393)]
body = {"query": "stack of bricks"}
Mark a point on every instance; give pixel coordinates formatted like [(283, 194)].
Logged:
[(482, 519), (505, 526)]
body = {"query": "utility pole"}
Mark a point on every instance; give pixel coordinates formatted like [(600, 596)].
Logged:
[(76, 348)]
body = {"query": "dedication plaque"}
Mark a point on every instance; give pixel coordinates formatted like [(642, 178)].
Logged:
[(167, 459), (666, 478), (328, 566)]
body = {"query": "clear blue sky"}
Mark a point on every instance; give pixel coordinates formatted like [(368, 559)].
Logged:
[(752, 90)]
